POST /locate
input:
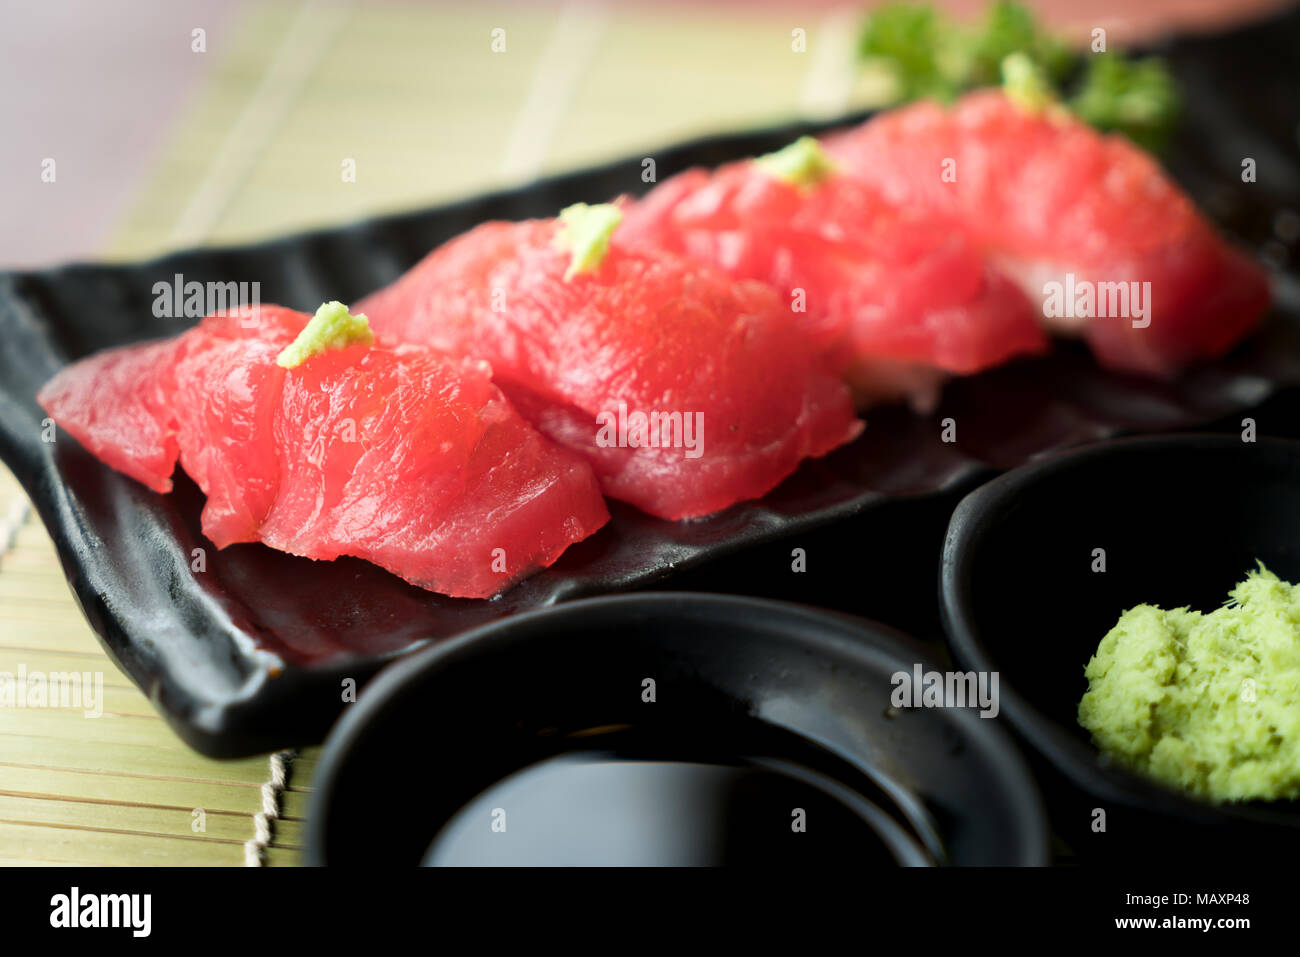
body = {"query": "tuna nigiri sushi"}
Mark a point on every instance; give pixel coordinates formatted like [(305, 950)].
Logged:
[(305, 436), (1089, 224), (686, 390), (897, 301)]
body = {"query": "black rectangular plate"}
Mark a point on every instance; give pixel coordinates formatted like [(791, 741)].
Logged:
[(253, 653)]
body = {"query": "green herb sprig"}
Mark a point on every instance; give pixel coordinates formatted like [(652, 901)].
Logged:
[(926, 54)]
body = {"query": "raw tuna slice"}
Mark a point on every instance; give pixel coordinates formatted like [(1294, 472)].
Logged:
[(686, 390), (407, 458), (897, 301), (1067, 209)]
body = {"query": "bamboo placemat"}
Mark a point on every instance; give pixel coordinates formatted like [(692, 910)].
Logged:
[(415, 95), (118, 786)]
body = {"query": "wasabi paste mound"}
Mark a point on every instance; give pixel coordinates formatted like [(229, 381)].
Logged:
[(1209, 703), (802, 163), (585, 232), (333, 327)]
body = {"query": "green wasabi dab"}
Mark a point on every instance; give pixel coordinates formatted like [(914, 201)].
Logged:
[(585, 233), (1208, 703), (803, 163), (333, 327), (1026, 85)]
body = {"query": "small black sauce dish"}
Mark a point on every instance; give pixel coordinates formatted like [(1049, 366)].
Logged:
[(1179, 521), (668, 728)]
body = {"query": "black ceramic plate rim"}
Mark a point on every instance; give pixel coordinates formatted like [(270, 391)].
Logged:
[(827, 633), (1082, 763), (228, 728)]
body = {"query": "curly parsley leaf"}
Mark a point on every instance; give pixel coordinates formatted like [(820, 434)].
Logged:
[(925, 54)]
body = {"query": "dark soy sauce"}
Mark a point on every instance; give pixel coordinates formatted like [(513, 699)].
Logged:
[(610, 806)]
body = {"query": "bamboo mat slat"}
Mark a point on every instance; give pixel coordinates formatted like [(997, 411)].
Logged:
[(105, 786), (415, 96), (114, 789)]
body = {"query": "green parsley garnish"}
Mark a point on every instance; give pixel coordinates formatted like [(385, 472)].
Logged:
[(923, 53)]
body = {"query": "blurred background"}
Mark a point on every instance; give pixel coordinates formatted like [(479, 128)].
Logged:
[(174, 123)]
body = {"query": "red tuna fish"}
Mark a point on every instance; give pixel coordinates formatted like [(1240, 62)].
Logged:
[(403, 457), (898, 301), (1064, 207), (686, 390)]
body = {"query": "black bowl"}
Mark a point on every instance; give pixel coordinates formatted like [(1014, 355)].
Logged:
[(734, 677), (1181, 520)]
